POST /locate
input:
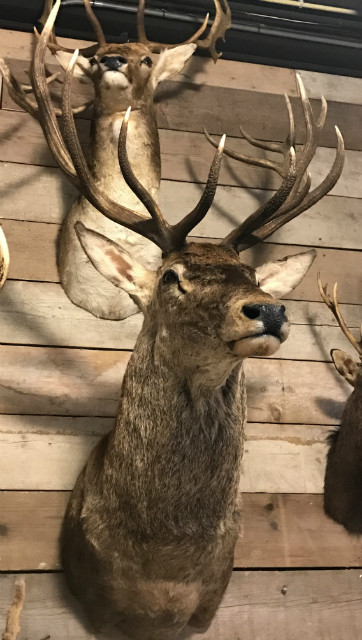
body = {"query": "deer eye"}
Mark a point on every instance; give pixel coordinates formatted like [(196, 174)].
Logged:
[(170, 277), (92, 61), (147, 61)]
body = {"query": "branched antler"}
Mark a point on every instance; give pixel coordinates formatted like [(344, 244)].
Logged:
[(221, 23), (268, 219), (69, 155), (18, 92), (334, 307)]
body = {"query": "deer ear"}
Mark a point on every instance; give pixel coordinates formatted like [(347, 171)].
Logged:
[(280, 277), (345, 365), (170, 62), (117, 265), (82, 68)]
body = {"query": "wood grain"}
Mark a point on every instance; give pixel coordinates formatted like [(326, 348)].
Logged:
[(27, 191), (59, 381), (200, 71), (29, 239), (222, 109), (269, 605), (278, 531), (185, 156), (40, 313), (277, 458)]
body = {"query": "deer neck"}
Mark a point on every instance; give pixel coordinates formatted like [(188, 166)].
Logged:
[(143, 151), (177, 445)]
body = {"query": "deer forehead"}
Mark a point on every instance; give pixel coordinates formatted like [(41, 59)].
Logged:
[(127, 50)]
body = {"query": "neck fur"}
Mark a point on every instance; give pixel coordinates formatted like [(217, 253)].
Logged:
[(143, 150), (177, 447)]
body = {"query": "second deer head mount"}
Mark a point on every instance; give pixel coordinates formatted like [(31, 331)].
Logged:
[(79, 279), (343, 477), (122, 75)]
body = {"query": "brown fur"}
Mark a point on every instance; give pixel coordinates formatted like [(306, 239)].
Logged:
[(133, 84), (343, 478), (151, 526)]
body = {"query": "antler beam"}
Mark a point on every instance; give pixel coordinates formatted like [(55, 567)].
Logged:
[(269, 218), (221, 23), (334, 307)]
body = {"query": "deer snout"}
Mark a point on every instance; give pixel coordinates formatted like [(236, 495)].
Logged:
[(113, 62), (271, 315)]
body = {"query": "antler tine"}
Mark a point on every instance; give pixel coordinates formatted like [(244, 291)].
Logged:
[(157, 47), (163, 228), (95, 24), (189, 222), (157, 229), (4, 258), (278, 147), (53, 44), (302, 201), (299, 198), (47, 114), (111, 209), (28, 88), (334, 307), (267, 210), (313, 128), (18, 92), (221, 23)]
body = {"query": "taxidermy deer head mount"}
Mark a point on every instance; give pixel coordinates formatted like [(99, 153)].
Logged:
[(154, 517), (343, 478), (123, 75)]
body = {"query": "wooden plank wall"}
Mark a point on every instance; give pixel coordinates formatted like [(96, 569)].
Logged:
[(61, 368)]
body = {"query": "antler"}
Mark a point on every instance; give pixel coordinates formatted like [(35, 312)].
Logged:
[(54, 46), (18, 92), (221, 23), (70, 157), (334, 307), (267, 219), (4, 258)]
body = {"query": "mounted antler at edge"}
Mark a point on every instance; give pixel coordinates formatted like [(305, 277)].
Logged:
[(332, 304), (343, 476), (276, 212)]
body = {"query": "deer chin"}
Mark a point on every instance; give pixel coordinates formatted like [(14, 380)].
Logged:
[(263, 344), (114, 79)]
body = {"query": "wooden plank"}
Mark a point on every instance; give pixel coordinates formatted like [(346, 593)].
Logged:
[(278, 530), (58, 381), (277, 459), (29, 239), (185, 156), (40, 313), (332, 86), (271, 605), (221, 110), (29, 190), (200, 71)]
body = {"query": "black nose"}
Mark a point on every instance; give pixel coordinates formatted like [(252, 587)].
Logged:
[(113, 62), (271, 315)]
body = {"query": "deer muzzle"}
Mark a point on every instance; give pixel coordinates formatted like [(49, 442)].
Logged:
[(259, 330), (113, 63), (271, 316)]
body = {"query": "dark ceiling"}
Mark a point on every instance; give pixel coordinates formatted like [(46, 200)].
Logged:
[(322, 36)]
